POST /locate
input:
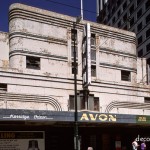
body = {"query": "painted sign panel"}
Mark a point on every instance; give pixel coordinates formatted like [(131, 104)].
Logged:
[(20, 140), (142, 119)]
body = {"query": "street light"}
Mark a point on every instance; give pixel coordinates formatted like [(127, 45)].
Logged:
[(76, 145)]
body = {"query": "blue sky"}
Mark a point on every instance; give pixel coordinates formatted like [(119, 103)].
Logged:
[(89, 7)]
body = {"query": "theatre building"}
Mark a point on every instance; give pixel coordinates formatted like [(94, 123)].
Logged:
[(37, 84)]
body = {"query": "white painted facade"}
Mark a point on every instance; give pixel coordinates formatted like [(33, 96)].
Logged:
[(47, 35)]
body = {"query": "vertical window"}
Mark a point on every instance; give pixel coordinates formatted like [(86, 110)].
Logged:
[(93, 70), (147, 19), (73, 35), (148, 47), (3, 87), (138, 2), (93, 40), (114, 19), (33, 62), (139, 13), (147, 4), (131, 22), (125, 18), (119, 24), (71, 102), (139, 27), (140, 53), (74, 68), (140, 40), (124, 5), (131, 9), (119, 13), (125, 75), (148, 33)]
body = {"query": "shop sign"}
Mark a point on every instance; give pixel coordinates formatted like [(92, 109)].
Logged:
[(20, 140), (143, 119), (96, 117)]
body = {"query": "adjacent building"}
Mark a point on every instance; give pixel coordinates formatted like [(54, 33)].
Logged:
[(131, 15), (37, 83)]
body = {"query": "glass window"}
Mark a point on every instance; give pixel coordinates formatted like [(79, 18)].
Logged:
[(119, 13), (131, 22), (125, 75), (147, 19), (148, 33), (32, 62), (73, 34), (3, 87), (139, 27), (139, 13), (147, 4), (124, 5), (93, 70), (93, 55), (74, 69), (131, 9), (138, 2), (114, 19), (93, 40), (125, 18), (119, 24), (140, 40), (148, 47), (140, 53)]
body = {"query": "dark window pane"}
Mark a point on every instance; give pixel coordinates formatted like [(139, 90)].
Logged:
[(125, 75), (71, 102), (93, 40), (96, 103), (140, 53), (74, 69), (148, 47), (138, 2), (124, 5), (73, 34), (139, 13), (140, 40), (32, 62), (139, 27), (131, 9), (93, 71), (147, 33), (3, 87), (147, 18), (147, 4), (131, 22)]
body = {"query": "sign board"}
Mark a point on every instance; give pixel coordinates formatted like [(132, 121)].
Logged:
[(86, 56), (20, 140)]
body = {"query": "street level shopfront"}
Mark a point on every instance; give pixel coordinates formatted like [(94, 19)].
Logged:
[(23, 129)]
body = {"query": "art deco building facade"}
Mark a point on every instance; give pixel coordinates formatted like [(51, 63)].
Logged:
[(37, 83), (132, 15)]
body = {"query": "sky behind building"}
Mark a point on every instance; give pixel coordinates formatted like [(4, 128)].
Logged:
[(67, 7)]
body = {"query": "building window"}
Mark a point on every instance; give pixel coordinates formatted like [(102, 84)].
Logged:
[(140, 40), (72, 52), (33, 62), (131, 9), (138, 2), (91, 104), (148, 47), (93, 40), (139, 13), (147, 4), (125, 18), (74, 69), (119, 24), (93, 70), (119, 13), (125, 75), (93, 55), (73, 34), (147, 19), (124, 5), (140, 53), (131, 22), (114, 19), (3, 87), (113, 10), (139, 27), (147, 99), (148, 33)]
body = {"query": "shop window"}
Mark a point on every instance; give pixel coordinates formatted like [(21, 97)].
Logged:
[(148, 33), (93, 70), (125, 75), (33, 62), (131, 9), (148, 47), (124, 5), (138, 2), (3, 87), (140, 40), (147, 19), (93, 40), (140, 53), (91, 104), (139, 27), (147, 4), (139, 13)]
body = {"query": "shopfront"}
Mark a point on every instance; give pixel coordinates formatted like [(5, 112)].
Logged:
[(24, 129)]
